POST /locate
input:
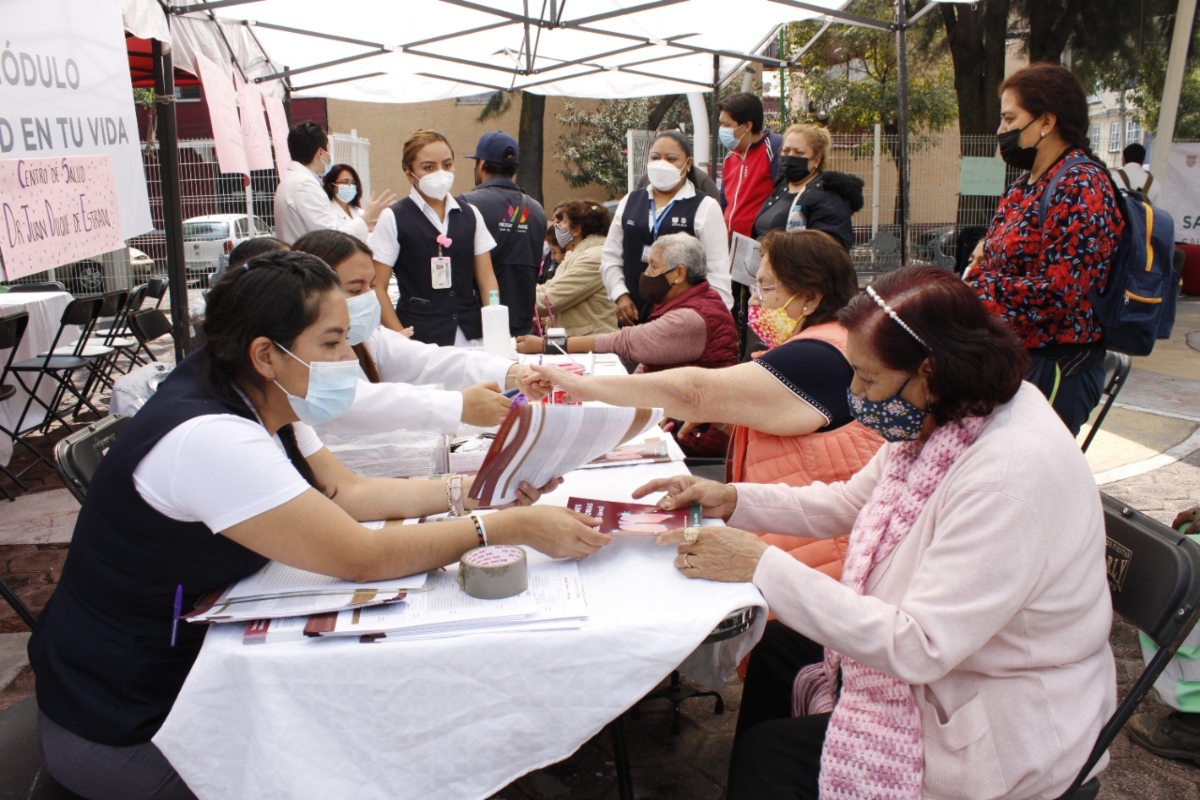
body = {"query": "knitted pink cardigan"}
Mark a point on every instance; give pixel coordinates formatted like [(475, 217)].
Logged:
[(873, 746)]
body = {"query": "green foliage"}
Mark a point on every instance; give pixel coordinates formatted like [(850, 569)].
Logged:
[(496, 106), (593, 147), (853, 72), (143, 98)]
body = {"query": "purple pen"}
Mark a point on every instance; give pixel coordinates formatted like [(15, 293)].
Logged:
[(178, 611)]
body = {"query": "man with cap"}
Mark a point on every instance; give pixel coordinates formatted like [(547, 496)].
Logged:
[(515, 220)]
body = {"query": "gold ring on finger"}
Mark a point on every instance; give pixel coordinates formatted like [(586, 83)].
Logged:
[(687, 564), (691, 534)]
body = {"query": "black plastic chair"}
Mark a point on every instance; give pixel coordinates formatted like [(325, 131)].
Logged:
[(149, 325), (77, 456), (44, 286), (82, 312), (1116, 372), (12, 331), (1154, 579)]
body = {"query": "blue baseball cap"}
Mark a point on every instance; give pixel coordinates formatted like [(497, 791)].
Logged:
[(492, 145)]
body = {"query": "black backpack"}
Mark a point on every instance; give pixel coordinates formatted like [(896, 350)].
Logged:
[(1137, 304)]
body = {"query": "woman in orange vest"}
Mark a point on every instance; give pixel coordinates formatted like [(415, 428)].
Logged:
[(787, 409)]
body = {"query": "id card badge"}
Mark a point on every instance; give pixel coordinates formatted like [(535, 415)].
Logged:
[(439, 272), (646, 254)]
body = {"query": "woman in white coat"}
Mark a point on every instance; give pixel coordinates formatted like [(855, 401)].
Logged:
[(966, 646)]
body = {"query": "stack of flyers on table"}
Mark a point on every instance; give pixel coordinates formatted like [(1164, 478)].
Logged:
[(635, 519), (278, 590), (554, 601), (654, 446)]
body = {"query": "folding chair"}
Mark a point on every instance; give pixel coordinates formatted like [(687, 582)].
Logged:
[(149, 325), (44, 286), (1116, 371), (156, 290), (1154, 578), (81, 312), (77, 456), (12, 331), (95, 347)]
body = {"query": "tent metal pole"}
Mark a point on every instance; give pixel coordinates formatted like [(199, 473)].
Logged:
[(715, 124), (208, 5), (842, 16), (363, 76), (902, 91), (655, 4), (322, 65), (287, 96), (168, 163)]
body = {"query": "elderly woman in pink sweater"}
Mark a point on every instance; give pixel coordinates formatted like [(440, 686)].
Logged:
[(964, 653)]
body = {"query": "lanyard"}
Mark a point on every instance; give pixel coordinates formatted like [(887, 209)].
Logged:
[(655, 225)]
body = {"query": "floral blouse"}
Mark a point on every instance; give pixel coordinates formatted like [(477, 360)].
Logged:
[(1036, 274)]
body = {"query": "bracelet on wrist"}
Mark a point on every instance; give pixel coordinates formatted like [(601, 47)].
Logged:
[(480, 531), (454, 496)]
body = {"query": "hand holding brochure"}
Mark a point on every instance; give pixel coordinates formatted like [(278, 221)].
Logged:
[(539, 442), (635, 519)]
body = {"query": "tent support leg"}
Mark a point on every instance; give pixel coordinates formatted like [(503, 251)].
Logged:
[(168, 161)]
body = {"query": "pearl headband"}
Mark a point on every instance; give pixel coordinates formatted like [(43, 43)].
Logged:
[(879, 301)]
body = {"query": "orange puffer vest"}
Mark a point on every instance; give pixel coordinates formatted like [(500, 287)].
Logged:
[(756, 457)]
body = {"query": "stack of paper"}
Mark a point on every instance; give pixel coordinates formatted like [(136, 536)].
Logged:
[(278, 590), (554, 600)]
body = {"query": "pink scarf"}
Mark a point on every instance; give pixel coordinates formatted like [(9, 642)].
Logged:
[(873, 746)]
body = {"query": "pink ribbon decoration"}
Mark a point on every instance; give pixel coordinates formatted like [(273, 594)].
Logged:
[(444, 240)]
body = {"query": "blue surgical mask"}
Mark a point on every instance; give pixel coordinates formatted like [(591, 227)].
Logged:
[(329, 163), (365, 314), (331, 388), (347, 193), (895, 419), (727, 138)]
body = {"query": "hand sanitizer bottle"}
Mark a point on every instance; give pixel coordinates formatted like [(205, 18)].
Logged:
[(496, 339)]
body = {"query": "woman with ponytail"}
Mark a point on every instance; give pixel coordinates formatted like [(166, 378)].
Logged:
[(217, 474)]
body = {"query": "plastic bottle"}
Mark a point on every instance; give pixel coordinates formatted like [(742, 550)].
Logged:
[(496, 339)]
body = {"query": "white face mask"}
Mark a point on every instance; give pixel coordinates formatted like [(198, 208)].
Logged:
[(663, 175), (330, 392), (365, 314), (436, 185)]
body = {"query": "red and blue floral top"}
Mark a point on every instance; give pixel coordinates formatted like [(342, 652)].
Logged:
[(1036, 273)]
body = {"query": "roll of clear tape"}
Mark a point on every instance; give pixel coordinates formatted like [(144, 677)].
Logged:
[(494, 572)]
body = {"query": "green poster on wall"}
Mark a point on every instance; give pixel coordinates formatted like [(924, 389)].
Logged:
[(981, 176)]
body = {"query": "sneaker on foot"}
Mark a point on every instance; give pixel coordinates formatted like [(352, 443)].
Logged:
[(1173, 735)]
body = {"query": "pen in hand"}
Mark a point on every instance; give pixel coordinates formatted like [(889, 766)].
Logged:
[(178, 611)]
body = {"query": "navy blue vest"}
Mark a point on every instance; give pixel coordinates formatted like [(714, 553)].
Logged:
[(635, 224), (435, 313), (102, 650)]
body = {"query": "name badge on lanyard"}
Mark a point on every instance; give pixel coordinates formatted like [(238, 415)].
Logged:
[(439, 272), (655, 225)]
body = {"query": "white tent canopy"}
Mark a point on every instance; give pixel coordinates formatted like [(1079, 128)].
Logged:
[(419, 50)]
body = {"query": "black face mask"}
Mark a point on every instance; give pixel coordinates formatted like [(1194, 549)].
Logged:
[(794, 168), (653, 288), (1011, 151)]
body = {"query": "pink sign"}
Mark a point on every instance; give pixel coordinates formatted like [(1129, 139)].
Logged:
[(223, 111), (56, 210), (279, 132), (254, 126)]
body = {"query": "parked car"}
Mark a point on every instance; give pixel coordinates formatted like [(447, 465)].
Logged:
[(208, 240)]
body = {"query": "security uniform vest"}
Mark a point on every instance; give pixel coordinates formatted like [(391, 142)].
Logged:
[(828, 456), (721, 346), (680, 217), (434, 314), (102, 652)]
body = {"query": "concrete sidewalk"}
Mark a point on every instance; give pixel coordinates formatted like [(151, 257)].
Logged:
[(1147, 455)]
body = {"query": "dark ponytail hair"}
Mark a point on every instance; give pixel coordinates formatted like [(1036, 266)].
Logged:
[(334, 247), (276, 296)]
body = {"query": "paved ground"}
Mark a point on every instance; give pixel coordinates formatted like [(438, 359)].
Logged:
[(1147, 455)]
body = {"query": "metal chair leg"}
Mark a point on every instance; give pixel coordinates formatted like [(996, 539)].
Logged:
[(621, 757)]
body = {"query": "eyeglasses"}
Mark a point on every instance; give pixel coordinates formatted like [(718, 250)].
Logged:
[(757, 289)]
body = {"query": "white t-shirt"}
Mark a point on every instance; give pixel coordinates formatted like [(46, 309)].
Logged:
[(221, 469)]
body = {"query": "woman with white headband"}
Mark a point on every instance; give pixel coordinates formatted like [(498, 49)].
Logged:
[(964, 652)]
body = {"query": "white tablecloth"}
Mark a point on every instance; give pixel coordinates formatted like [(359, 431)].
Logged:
[(454, 718), (45, 311)]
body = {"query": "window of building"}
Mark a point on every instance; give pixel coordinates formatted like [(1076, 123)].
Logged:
[(1114, 138), (1133, 132), (187, 94), (1094, 136)]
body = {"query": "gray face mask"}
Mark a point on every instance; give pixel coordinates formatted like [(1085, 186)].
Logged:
[(564, 237)]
